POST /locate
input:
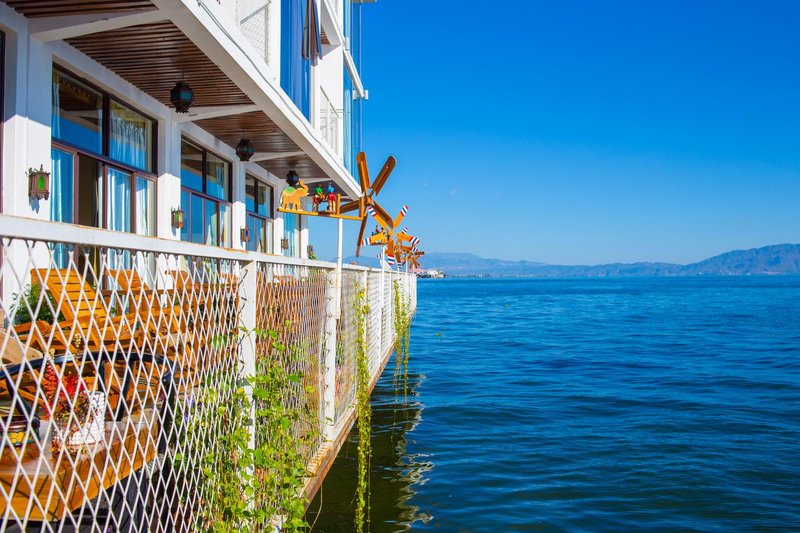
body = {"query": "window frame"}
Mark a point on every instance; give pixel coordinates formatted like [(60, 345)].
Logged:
[(269, 219), (187, 209), (105, 128), (105, 164)]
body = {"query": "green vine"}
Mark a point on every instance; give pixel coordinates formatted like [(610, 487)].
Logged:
[(361, 311), (402, 330), (251, 474)]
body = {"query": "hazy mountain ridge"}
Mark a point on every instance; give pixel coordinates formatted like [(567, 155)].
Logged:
[(779, 259)]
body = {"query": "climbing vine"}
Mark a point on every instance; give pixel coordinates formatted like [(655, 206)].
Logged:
[(243, 448), (402, 330), (361, 312)]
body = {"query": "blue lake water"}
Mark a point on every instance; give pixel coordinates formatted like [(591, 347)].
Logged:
[(668, 404)]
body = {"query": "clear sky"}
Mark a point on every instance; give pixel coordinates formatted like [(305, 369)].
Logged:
[(582, 132)]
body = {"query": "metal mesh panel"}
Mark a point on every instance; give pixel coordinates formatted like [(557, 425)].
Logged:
[(290, 314), (375, 297), (107, 364), (254, 19), (123, 369), (346, 345)]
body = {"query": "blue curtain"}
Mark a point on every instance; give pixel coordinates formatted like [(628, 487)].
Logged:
[(295, 71)]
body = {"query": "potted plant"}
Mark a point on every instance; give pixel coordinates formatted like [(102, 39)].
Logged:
[(77, 415)]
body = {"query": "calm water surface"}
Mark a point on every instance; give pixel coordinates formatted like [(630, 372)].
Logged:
[(587, 405)]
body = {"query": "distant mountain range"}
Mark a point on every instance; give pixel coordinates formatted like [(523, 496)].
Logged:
[(770, 260)]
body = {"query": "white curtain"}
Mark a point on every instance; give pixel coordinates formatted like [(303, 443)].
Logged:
[(119, 212), (128, 137), (145, 225)]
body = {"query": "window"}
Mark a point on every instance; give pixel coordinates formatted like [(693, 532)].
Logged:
[(295, 69), (131, 137), (258, 202), (205, 196), (352, 123), (291, 232), (102, 157)]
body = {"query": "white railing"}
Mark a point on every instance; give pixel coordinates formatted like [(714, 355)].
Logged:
[(125, 359), (254, 18), (330, 119)]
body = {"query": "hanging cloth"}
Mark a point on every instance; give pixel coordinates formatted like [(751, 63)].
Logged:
[(312, 42)]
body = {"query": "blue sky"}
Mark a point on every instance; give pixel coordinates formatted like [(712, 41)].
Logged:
[(578, 132)]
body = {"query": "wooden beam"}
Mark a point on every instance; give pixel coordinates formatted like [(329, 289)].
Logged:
[(69, 26), (269, 156), (215, 111)]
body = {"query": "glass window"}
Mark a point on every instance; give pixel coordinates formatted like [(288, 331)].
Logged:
[(196, 219), (191, 166), (217, 177), (62, 194), (77, 116), (87, 189), (145, 206), (291, 232), (119, 199), (224, 224), (258, 197), (295, 70), (205, 180), (131, 140)]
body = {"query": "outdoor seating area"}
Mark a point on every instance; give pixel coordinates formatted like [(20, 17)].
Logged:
[(116, 363)]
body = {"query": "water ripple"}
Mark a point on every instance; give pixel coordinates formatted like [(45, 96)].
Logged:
[(589, 405)]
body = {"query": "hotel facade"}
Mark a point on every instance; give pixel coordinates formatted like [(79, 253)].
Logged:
[(145, 144)]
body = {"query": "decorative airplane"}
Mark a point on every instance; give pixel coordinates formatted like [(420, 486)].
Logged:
[(368, 192)]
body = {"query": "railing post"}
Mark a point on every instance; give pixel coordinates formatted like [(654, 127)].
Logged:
[(329, 368), (247, 368), (333, 313)]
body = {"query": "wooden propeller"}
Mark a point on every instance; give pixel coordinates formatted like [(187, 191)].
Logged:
[(368, 193)]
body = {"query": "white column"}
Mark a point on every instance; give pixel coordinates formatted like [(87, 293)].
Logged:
[(247, 361), (238, 207), (169, 178), (329, 368)]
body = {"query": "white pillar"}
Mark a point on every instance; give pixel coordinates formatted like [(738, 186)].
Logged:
[(247, 361), (238, 207)]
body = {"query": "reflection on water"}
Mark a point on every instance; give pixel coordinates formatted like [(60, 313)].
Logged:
[(394, 473)]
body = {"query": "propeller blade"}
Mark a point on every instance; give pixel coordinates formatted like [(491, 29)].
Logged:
[(378, 238), (387, 218), (381, 222), (400, 217), (383, 175), (350, 206), (361, 236), (363, 171)]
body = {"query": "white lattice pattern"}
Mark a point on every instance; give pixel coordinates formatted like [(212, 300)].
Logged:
[(126, 366)]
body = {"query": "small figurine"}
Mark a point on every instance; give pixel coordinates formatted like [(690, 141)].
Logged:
[(332, 198), (318, 198), (292, 195)]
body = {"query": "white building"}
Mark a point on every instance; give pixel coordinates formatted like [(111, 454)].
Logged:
[(157, 274), (86, 97)]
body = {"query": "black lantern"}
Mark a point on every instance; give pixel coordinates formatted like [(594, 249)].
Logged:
[(178, 218), (38, 184), (245, 149), (181, 97), (284, 244), (292, 178), (245, 235)]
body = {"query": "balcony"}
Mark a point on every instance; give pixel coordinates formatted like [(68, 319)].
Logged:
[(130, 364)]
